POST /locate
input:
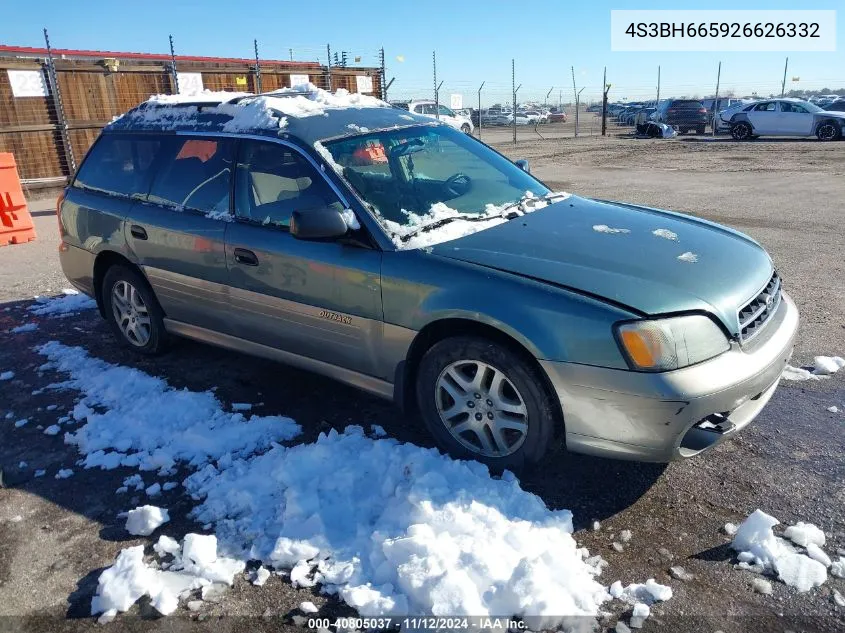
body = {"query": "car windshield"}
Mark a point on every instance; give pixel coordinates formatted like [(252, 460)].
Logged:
[(419, 176)]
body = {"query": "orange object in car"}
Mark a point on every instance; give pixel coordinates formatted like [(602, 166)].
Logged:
[(372, 152)]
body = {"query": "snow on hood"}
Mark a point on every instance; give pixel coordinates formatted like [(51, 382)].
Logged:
[(258, 111)]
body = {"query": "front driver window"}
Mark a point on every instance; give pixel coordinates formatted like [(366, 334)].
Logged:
[(273, 181)]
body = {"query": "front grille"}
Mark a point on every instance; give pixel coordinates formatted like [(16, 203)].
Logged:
[(754, 315)]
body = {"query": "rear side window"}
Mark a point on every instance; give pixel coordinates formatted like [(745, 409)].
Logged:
[(119, 165), (194, 173)]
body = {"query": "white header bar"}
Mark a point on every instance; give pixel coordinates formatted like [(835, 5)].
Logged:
[(716, 31)]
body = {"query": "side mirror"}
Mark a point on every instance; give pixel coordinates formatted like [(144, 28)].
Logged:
[(318, 224), (523, 165)]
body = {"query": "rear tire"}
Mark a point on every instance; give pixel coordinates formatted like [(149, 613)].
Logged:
[(828, 131), (741, 131), (465, 129), (480, 400), (132, 311), (700, 130)]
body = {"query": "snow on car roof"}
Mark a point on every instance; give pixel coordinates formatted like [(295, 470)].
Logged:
[(305, 111)]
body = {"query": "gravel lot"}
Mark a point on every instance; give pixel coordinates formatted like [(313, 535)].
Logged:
[(789, 463)]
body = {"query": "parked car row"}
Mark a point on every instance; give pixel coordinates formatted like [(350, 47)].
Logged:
[(467, 119), (685, 115)]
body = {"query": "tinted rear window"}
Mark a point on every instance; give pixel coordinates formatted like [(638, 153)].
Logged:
[(194, 173), (119, 165)]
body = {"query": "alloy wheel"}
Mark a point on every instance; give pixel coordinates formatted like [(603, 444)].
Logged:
[(481, 408), (826, 132), (131, 313)]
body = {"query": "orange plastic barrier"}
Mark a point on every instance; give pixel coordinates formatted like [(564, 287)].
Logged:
[(15, 222)]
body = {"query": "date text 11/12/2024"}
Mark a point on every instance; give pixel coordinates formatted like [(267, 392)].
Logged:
[(433, 623)]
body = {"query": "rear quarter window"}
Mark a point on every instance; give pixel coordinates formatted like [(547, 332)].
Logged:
[(194, 173), (119, 165)]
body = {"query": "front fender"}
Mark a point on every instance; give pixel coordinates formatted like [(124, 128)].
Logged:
[(553, 323)]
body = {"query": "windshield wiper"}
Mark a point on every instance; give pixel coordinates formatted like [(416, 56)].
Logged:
[(519, 207)]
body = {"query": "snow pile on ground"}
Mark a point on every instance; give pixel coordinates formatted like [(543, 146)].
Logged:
[(434, 536), (145, 520), (646, 593), (195, 565), (390, 528), (69, 302), (148, 424), (459, 224), (826, 365), (757, 545), (823, 366)]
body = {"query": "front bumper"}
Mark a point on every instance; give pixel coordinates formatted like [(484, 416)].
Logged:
[(662, 417)]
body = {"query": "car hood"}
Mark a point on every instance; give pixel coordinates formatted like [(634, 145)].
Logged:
[(832, 113), (705, 267)]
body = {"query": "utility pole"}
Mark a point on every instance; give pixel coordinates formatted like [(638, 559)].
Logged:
[(658, 87), (605, 90), (479, 108), (783, 85), (514, 88), (436, 87), (716, 100)]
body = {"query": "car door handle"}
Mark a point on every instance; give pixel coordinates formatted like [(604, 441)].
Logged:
[(138, 232), (245, 257)]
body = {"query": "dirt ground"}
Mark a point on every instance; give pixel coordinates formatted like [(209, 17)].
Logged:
[(787, 195)]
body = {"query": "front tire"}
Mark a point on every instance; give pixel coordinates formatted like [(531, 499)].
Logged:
[(741, 131), (132, 311), (828, 131), (465, 129), (700, 130), (480, 400)]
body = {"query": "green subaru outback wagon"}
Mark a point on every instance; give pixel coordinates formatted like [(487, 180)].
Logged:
[(386, 250)]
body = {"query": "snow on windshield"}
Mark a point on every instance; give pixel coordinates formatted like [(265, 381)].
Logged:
[(460, 226)]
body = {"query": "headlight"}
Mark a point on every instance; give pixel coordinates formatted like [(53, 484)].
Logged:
[(671, 343)]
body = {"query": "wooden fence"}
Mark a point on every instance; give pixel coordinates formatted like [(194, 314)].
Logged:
[(49, 134)]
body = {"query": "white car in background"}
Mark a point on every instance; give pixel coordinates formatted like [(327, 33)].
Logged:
[(508, 119), (786, 117), (446, 115)]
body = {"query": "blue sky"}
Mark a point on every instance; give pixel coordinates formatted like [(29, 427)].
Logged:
[(474, 40)]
